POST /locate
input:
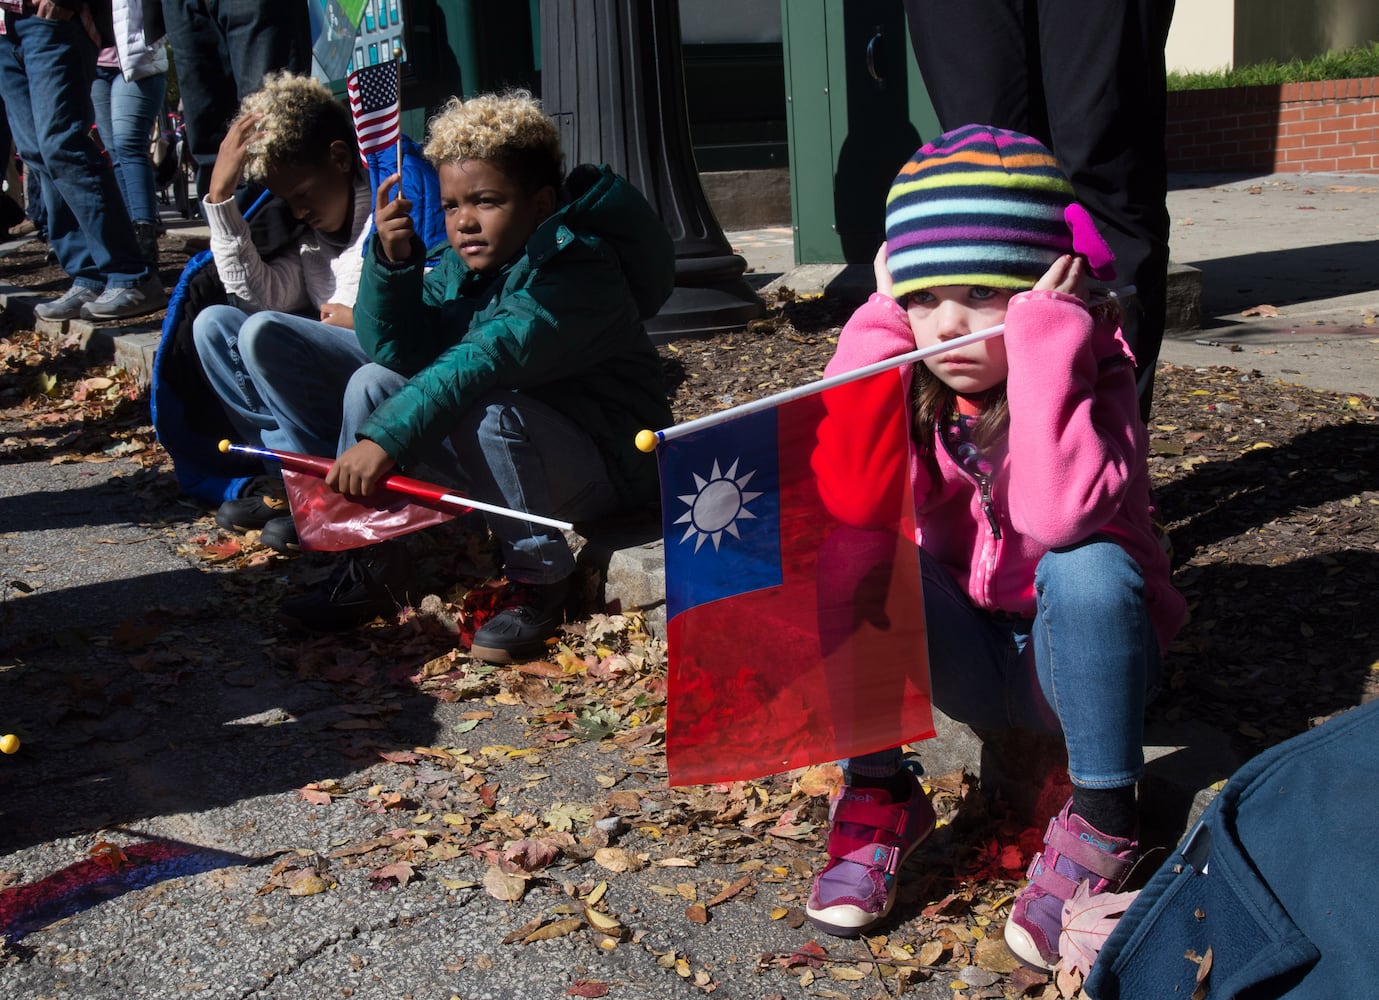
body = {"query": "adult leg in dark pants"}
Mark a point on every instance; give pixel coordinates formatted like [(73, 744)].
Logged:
[(249, 38), (1087, 79)]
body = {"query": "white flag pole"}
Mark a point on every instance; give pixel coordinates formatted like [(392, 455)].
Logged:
[(647, 440), (397, 61)]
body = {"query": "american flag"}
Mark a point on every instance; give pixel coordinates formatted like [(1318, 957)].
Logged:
[(376, 106)]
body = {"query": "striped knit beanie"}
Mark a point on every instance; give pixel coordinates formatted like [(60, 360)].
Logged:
[(983, 206)]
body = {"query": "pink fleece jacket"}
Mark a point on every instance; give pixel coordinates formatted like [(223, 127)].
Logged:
[(1074, 464)]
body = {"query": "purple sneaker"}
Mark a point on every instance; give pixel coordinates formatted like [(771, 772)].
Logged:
[(869, 838), (1075, 852)]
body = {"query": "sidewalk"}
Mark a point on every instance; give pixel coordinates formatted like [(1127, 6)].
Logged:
[(1307, 245)]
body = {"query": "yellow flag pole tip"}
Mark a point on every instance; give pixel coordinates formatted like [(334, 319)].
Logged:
[(225, 446), (9, 743), (646, 441)]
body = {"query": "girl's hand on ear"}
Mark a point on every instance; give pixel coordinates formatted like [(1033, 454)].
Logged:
[(1067, 275), (884, 284)]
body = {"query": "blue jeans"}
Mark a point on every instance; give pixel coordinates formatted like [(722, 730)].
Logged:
[(125, 112), (514, 451), (88, 225), (1083, 666), (280, 377), (223, 50)]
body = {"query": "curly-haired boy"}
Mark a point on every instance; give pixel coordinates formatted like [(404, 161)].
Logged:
[(294, 312), (520, 366)]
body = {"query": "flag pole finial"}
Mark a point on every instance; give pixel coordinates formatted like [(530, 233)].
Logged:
[(646, 441)]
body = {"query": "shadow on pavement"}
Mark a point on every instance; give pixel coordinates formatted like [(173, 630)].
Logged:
[(1286, 277)]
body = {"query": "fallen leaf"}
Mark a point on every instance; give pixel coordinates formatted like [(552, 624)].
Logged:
[(617, 859), (992, 955), (730, 891), (108, 855), (601, 921), (399, 871), (308, 885), (930, 952), (1260, 310), (587, 988), (697, 913), (1087, 922), (507, 886), (555, 929)]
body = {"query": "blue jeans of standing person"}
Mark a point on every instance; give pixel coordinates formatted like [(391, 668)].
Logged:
[(125, 112), (1083, 666), (223, 49), (513, 451), (46, 68), (280, 377)]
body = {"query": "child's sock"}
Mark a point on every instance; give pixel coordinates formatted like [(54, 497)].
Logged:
[(1113, 811), (897, 784)]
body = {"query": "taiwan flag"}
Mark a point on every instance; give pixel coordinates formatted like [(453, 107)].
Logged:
[(795, 627)]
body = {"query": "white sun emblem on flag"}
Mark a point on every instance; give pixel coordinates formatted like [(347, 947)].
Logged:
[(716, 505)]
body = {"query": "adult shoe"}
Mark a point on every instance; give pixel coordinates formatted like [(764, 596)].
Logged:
[(121, 303)]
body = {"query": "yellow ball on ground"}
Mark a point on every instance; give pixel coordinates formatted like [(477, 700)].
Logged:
[(646, 440), (9, 743)]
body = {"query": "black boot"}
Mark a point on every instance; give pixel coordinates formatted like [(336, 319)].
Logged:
[(146, 234), (529, 614), (367, 583)]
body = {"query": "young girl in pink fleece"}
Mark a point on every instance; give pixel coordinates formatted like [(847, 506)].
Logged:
[(1046, 593)]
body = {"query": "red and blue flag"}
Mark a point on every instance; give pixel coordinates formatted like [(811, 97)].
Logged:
[(795, 637)]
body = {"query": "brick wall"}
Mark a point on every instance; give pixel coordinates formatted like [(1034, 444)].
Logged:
[(1325, 127)]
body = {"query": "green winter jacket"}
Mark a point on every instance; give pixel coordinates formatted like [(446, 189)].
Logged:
[(562, 323)]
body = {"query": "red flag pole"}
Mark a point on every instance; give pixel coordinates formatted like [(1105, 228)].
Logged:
[(429, 492)]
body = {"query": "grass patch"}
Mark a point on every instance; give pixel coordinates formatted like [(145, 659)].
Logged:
[(1347, 64)]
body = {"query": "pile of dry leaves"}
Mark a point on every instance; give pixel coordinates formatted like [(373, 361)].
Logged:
[(1269, 492)]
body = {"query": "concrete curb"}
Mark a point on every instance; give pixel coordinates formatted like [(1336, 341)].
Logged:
[(131, 346)]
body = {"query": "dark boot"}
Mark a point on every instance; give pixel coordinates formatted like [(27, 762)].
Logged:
[(366, 583), (146, 234), (528, 615)]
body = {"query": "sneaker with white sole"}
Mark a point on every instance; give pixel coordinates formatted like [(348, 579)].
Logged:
[(1074, 851), (120, 303), (869, 838), (69, 304)]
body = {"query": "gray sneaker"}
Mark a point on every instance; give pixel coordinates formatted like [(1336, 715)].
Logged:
[(118, 303), (69, 304)]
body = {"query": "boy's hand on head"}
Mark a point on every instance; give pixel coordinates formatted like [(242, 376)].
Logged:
[(884, 284), (335, 314), (229, 161), (358, 470), (1067, 275), (392, 221)]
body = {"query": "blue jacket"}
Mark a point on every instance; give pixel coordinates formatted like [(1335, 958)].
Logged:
[(1278, 880)]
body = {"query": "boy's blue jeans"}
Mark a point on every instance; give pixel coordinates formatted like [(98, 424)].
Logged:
[(1084, 665), (511, 450), (280, 377), (46, 68)]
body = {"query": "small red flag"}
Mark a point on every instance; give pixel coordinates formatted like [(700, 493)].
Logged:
[(331, 522)]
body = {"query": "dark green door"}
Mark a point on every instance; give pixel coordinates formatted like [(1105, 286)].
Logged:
[(856, 110)]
